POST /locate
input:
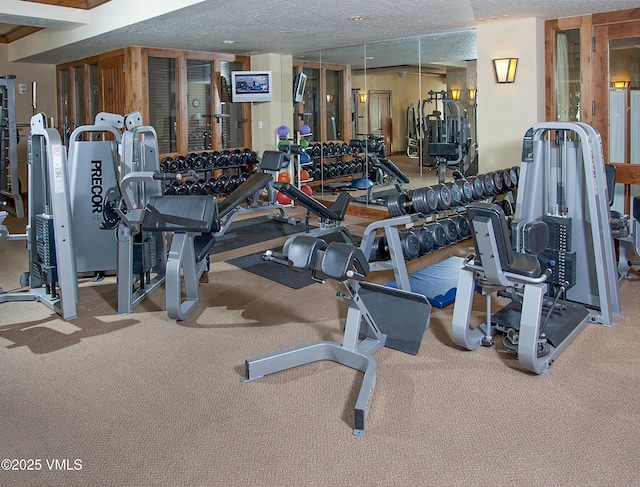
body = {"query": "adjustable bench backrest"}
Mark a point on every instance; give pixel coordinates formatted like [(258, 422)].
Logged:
[(181, 214), (336, 212), (272, 160), (253, 184), (394, 170)]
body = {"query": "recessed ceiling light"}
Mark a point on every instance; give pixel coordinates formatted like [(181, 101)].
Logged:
[(369, 58), (357, 18), (228, 41)]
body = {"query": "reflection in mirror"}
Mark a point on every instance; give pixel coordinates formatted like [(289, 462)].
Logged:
[(568, 75), (624, 110), (231, 119), (385, 100)]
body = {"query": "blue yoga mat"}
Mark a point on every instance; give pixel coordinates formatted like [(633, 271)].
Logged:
[(438, 282)]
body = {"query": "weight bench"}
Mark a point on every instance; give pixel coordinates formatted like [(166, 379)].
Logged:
[(192, 221), (536, 341), (330, 218), (377, 316), (387, 174), (327, 217), (249, 191)]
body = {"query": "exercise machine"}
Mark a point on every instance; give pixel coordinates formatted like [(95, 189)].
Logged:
[(377, 316), (381, 171), (270, 164), (51, 277), (447, 135), (329, 218), (191, 220), (413, 137), (93, 165), (559, 264), (141, 255)]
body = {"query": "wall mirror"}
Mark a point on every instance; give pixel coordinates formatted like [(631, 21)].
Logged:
[(381, 92)]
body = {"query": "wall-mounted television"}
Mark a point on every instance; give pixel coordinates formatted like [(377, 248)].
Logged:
[(299, 84), (251, 86)]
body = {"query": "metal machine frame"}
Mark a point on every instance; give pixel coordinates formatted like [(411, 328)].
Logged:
[(139, 163), (580, 253), (52, 277), (367, 327)]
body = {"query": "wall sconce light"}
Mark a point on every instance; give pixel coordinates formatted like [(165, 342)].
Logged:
[(329, 98), (363, 98), (472, 94), (505, 69), (619, 84), (455, 94)]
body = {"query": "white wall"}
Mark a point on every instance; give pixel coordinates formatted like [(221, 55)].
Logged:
[(506, 111), (26, 73), (277, 112)]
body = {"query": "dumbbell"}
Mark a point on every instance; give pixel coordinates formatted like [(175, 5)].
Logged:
[(234, 157), (165, 164), (409, 243), (219, 184), (425, 238), (425, 200), (400, 204), (450, 230), (208, 187), (514, 172), (456, 193), (498, 181), (212, 160), (462, 225), (438, 234), (443, 194), (172, 188), (466, 190), (477, 185), (379, 249)]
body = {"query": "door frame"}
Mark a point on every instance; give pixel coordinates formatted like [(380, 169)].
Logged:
[(388, 132)]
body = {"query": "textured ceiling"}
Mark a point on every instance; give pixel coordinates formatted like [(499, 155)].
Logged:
[(301, 28)]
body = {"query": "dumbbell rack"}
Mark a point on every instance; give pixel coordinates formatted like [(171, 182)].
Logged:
[(208, 164), (9, 182), (321, 168), (443, 209)]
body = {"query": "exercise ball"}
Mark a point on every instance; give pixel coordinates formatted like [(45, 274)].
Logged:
[(304, 175), (283, 199), (283, 131), (305, 130), (284, 177), (305, 188), (361, 183)]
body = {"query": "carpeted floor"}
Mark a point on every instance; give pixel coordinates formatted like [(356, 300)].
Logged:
[(140, 400)]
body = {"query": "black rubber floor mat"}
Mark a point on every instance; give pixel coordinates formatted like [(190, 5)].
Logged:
[(252, 231), (273, 271)]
